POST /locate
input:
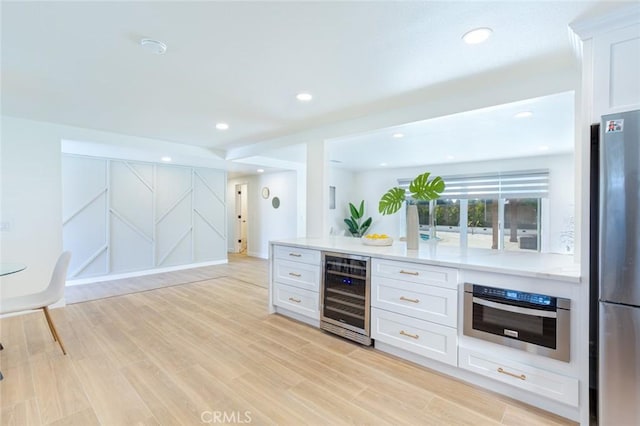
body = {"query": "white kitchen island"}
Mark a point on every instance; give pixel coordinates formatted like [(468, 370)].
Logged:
[(417, 311)]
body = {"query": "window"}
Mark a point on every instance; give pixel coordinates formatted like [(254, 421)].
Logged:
[(496, 211)]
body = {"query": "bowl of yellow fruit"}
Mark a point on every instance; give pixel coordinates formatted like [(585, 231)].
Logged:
[(377, 240)]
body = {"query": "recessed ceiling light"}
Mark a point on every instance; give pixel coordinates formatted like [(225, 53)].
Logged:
[(477, 35), (222, 126), (523, 114), (398, 135), (260, 170), (450, 157), (166, 159), (383, 164), (153, 46), (543, 148), (304, 97)]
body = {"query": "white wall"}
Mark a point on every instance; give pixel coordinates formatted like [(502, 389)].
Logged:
[(317, 189), (371, 185), (31, 197), (264, 223), (122, 216), (30, 202), (344, 182)]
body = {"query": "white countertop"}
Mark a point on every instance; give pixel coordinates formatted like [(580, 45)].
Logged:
[(522, 263)]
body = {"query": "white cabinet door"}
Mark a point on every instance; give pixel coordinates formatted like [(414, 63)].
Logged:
[(421, 337), (296, 254), (425, 302), (302, 275), (297, 300), (616, 70), (415, 272), (533, 379)]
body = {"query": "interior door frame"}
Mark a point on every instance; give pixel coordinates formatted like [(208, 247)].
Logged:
[(241, 217)]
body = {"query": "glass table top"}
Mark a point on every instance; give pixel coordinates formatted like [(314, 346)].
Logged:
[(11, 268)]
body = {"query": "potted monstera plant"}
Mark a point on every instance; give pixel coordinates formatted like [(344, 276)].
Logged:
[(421, 188), (357, 228)]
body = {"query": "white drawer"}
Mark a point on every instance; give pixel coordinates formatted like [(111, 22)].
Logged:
[(297, 274), (415, 272), (435, 304), (421, 337), (298, 300), (297, 254), (533, 379)]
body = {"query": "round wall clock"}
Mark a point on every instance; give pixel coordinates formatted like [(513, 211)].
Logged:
[(265, 192)]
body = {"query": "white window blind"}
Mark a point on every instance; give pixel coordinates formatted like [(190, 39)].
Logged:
[(520, 184)]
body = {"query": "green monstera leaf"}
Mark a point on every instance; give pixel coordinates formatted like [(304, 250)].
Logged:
[(391, 201), (422, 188)]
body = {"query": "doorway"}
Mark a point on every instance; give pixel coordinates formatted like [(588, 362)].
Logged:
[(241, 218)]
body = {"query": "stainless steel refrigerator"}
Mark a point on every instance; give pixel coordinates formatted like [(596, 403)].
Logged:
[(619, 270)]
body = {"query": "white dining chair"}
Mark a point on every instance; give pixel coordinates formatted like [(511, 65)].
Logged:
[(50, 295)]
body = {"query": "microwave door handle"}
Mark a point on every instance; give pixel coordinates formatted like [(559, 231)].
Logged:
[(515, 309)]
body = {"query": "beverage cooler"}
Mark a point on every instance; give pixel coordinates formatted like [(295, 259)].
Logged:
[(345, 296)]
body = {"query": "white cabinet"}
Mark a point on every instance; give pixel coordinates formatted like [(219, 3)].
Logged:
[(539, 381), (296, 254), (298, 274), (415, 272), (296, 299), (295, 278), (616, 70), (411, 334), (610, 49), (421, 301), (414, 307)]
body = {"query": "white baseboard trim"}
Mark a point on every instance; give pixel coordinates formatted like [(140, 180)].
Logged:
[(133, 274), (258, 254)]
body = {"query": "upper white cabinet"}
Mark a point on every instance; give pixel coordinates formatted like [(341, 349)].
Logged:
[(611, 60), (617, 70)]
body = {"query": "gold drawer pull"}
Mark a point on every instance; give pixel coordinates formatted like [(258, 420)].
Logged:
[(517, 376), (295, 300), (402, 271), (413, 336), (409, 300), (295, 254), (293, 274)]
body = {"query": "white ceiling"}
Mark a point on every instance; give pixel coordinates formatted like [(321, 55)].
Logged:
[(80, 63), (483, 134)]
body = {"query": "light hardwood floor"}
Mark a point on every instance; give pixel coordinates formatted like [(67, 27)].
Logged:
[(244, 268), (208, 351)]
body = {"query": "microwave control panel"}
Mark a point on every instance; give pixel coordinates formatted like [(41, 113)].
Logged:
[(513, 295)]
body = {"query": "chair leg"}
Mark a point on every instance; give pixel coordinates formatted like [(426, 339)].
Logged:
[(52, 327), (50, 324)]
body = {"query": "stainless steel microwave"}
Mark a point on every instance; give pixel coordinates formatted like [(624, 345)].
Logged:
[(536, 323)]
